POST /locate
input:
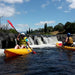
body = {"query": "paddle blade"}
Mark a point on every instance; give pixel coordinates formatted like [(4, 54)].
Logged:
[(34, 52), (10, 24), (60, 44)]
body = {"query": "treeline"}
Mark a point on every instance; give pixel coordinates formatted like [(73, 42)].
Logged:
[(61, 28), (8, 30)]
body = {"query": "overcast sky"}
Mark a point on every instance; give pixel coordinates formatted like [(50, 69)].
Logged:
[(25, 14)]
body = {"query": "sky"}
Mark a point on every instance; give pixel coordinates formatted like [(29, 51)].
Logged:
[(33, 14)]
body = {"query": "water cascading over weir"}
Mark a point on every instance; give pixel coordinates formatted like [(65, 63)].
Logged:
[(8, 40), (42, 41)]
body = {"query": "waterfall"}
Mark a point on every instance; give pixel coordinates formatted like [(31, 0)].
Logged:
[(31, 41), (52, 40), (43, 41), (46, 40), (37, 40)]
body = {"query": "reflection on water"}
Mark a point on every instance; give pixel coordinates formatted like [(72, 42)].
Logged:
[(51, 61), (68, 53)]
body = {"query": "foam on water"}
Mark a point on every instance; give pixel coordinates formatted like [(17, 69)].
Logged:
[(42, 46), (2, 52)]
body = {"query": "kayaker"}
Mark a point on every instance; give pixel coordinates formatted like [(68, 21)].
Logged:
[(23, 41), (68, 40)]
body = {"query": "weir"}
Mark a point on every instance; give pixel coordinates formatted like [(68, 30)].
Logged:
[(43, 41)]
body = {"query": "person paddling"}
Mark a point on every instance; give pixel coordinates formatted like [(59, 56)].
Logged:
[(68, 40), (23, 41)]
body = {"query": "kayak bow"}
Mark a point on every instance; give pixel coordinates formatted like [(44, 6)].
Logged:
[(16, 52), (59, 45)]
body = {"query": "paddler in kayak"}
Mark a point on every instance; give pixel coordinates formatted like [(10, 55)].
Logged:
[(23, 41), (68, 40)]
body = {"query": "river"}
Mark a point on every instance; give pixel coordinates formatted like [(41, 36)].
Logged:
[(47, 61)]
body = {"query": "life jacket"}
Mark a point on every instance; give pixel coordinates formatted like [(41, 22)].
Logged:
[(23, 41), (70, 40)]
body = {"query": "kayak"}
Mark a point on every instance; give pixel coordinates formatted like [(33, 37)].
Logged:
[(59, 45), (16, 52)]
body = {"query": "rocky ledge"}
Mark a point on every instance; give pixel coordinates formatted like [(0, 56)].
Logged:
[(7, 40)]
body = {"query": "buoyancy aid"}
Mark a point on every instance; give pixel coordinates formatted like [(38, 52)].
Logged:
[(70, 40), (23, 41)]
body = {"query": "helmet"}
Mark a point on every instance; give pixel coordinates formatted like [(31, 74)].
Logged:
[(68, 34), (23, 34)]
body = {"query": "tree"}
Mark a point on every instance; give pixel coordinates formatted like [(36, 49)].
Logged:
[(50, 29), (72, 28), (29, 30), (12, 31), (67, 27), (45, 28), (59, 27)]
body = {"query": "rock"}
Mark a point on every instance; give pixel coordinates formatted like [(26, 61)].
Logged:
[(7, 40)]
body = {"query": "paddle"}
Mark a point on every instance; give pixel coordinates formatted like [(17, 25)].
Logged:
[(60, 44), (32, 50), (11, 25), (18, 32)]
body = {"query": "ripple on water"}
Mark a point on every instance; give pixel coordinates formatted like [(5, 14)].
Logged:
[(46, 62)]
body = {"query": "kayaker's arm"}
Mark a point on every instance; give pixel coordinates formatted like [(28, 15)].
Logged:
[(28, 44), (66, 39), (18, 37), (30, 47)]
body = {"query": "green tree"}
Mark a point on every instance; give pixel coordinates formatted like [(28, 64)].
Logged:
[(50, 29), (45, 28), (12, 31), (72, 28), (29, 31), (67, 27), (59, 27)]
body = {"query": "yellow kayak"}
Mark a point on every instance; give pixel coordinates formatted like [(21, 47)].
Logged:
[(59, 45), (15, 52)]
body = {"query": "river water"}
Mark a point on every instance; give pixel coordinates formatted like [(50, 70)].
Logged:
[(47, 61)]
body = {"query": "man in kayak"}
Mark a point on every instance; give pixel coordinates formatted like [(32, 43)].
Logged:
[(23, 41), (69, 40)]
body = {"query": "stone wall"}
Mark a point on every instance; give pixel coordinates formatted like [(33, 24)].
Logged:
[(62, 37), (7, 40)]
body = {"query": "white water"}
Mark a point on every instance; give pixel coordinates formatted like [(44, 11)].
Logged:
[(47, 42), (39, 41), (31, 41), (52, 40), (2, 52)]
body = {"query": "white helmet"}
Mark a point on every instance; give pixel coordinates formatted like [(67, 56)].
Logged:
[(22, 33)]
